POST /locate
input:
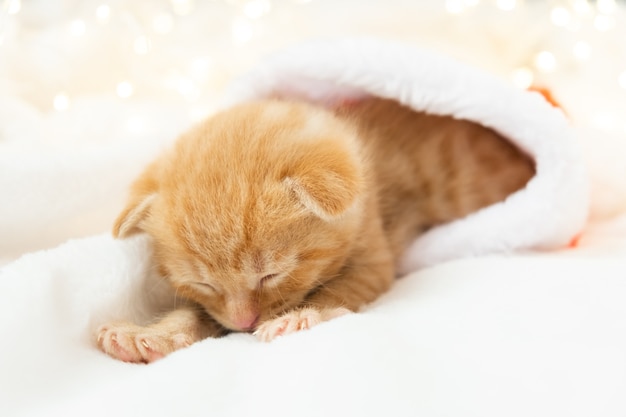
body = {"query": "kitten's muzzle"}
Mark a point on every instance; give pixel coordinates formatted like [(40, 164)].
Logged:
[(246, 322)]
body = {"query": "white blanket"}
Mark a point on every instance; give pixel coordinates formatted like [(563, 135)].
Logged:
[(539, 334)]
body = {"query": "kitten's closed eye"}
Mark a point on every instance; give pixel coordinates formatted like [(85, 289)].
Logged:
[(268, 277), (264, 280), (204, 285)]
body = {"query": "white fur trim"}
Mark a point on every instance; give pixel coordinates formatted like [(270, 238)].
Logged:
[(546, 214)]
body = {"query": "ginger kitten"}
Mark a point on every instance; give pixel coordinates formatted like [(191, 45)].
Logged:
[(274, 216)]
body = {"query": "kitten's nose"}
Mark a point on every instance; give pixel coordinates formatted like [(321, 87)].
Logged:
[(246, 322)]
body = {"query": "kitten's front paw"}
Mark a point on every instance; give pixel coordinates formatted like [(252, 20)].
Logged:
[(131, 343), (296, 320)]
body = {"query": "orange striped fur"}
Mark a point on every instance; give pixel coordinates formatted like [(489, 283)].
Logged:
[(273, 216)]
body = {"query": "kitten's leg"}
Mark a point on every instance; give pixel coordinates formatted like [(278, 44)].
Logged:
[(367, 274), (177, 329), (296, 320)]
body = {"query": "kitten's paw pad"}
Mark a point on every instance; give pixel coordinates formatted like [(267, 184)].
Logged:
[(288, 323), (131, 343), (295, 321), (118, 341)]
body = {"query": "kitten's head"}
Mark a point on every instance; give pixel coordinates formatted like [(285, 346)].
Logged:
[(253, 209)]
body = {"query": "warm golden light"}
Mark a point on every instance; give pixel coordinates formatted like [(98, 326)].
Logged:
[(454, 6), (582, 51), (603, 23), (103, 13), (162, 24), (606, 6), (523, 77), (61, 102), (141, 45), (622, 80), (125, 89), (506, 5), (545, 61), (14, 6), (257, 8), (241, 30), (560, 16), (182, 7), (77, 27)]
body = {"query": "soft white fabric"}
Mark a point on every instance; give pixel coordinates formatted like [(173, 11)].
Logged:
[(67, 174), (548, 213), (540, 335)]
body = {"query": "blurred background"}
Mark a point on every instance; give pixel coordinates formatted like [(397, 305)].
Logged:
[(92, 90)]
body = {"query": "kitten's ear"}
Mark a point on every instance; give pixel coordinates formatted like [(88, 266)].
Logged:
[(327, 183), (142, 196), (130, 219)]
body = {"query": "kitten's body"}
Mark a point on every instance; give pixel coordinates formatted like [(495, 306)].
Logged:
[(431, 169), (274, 216)]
